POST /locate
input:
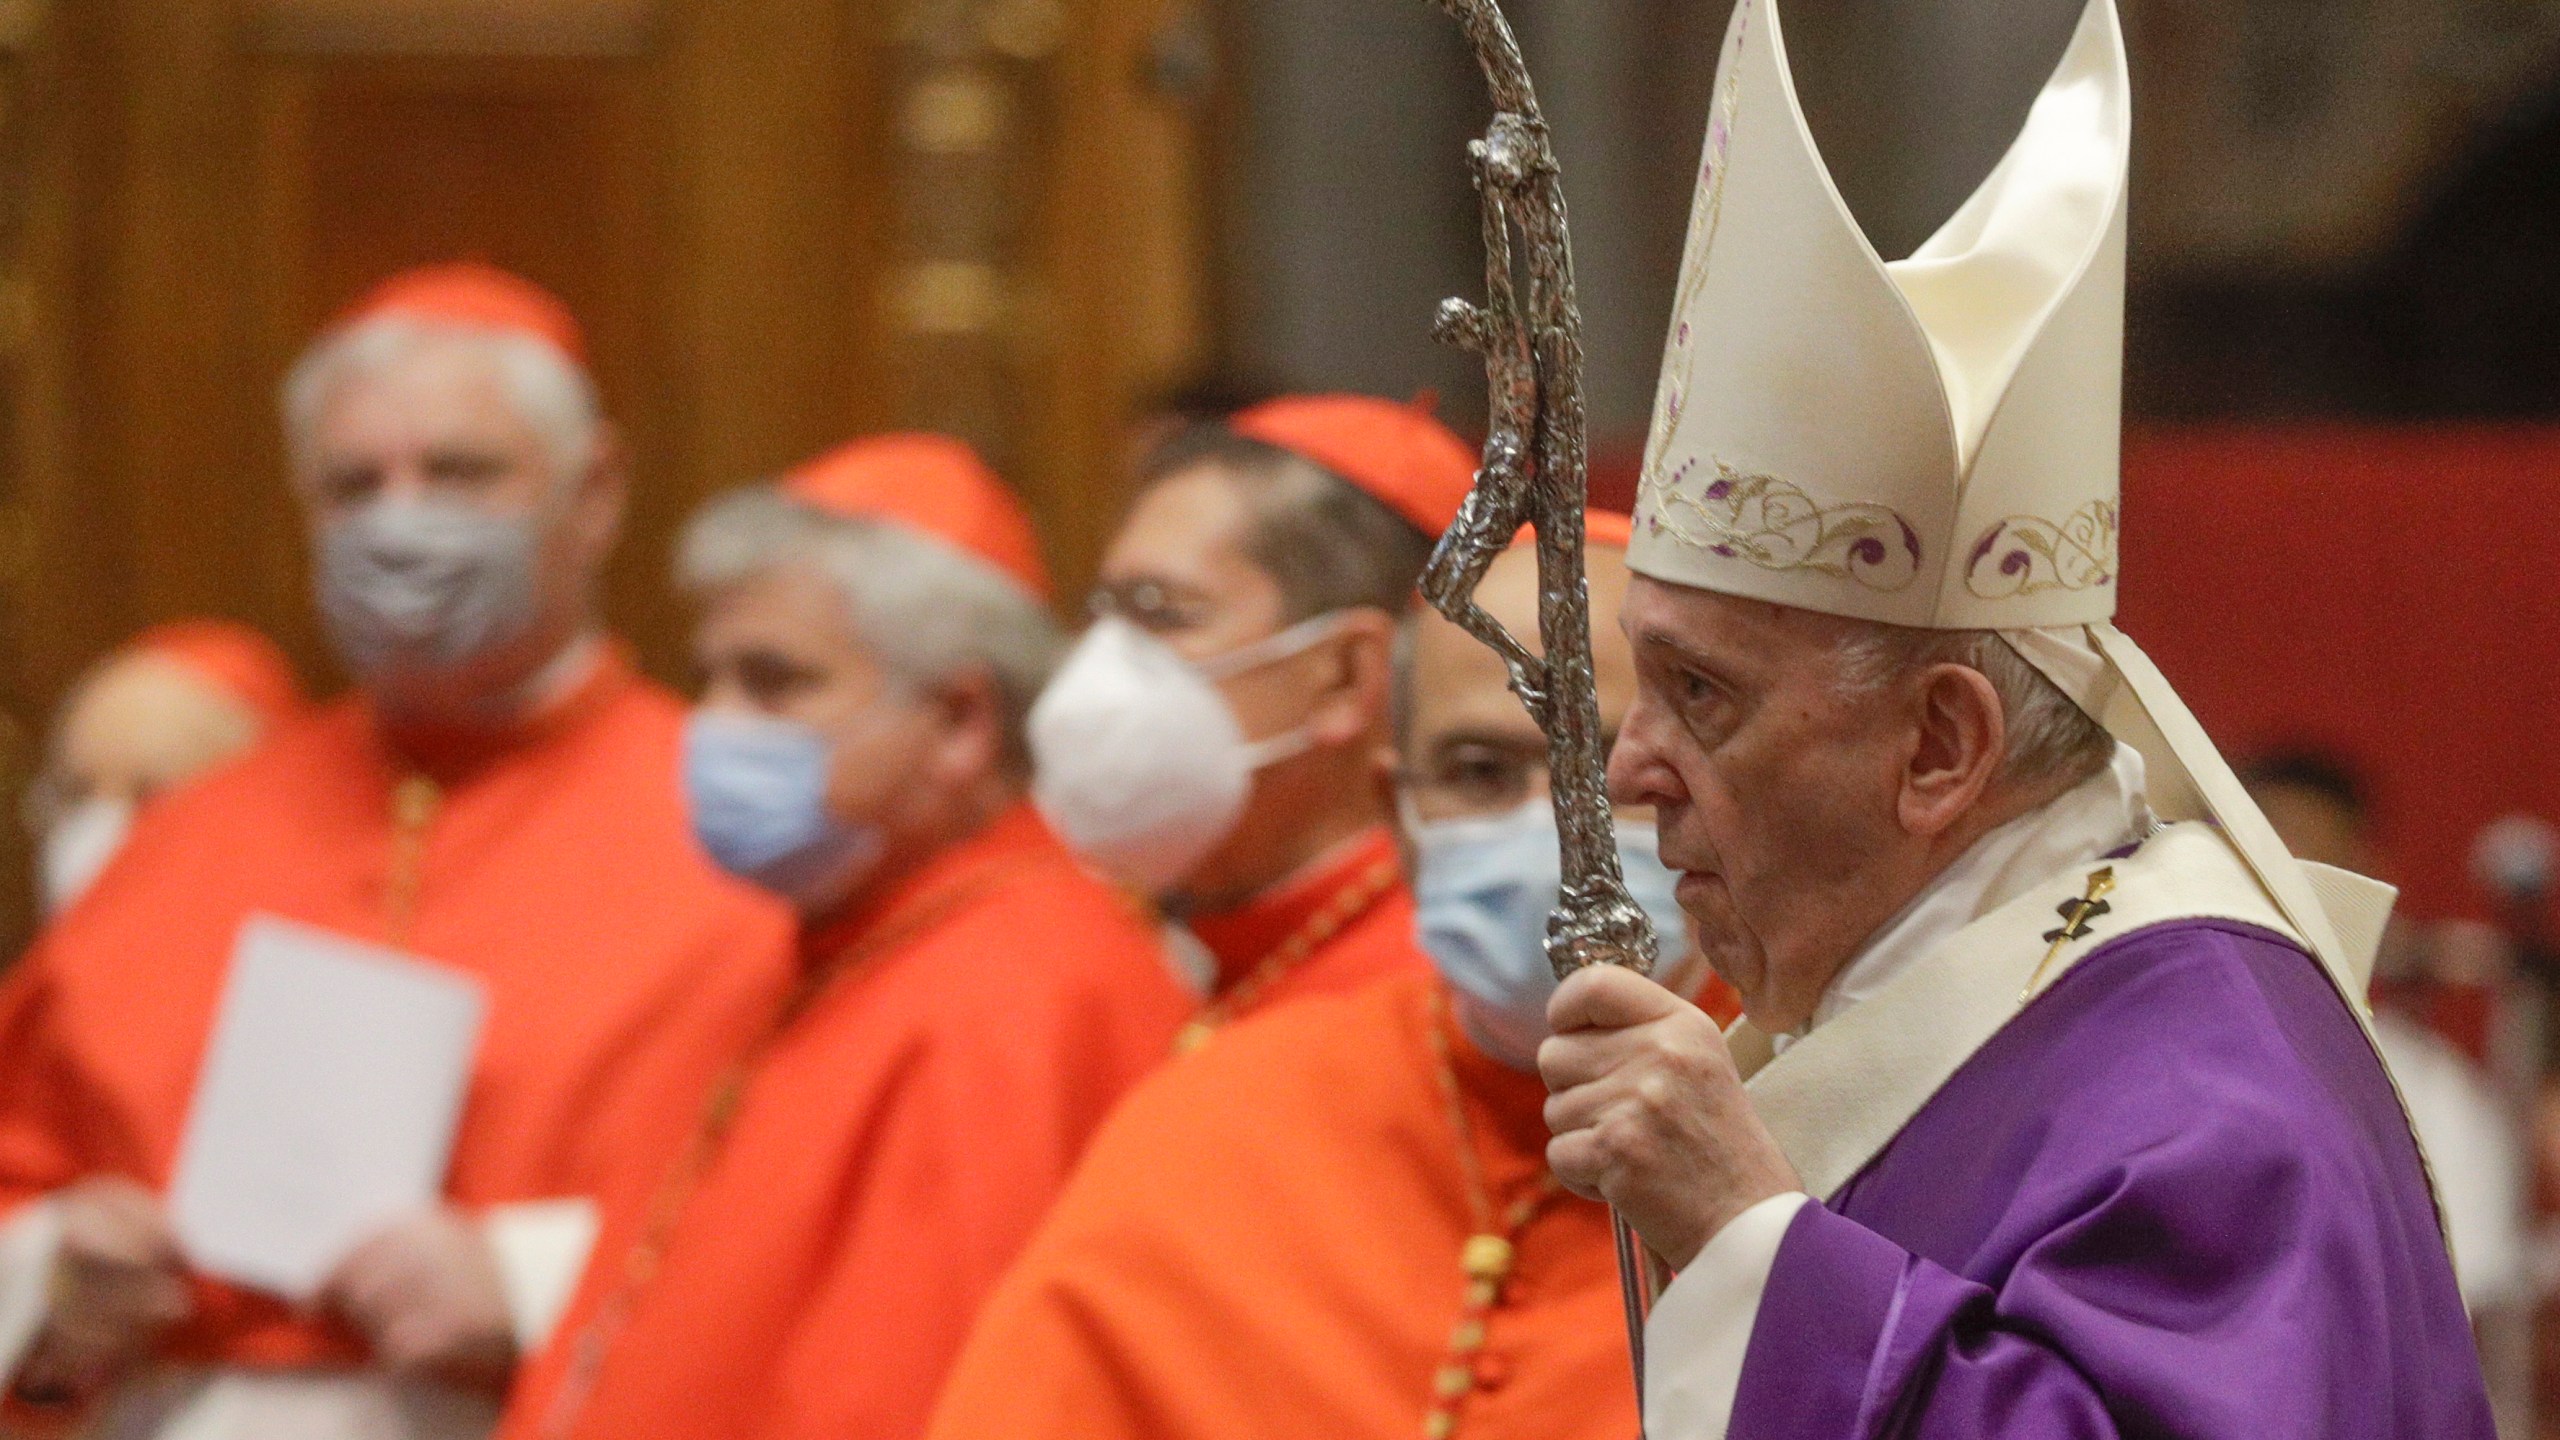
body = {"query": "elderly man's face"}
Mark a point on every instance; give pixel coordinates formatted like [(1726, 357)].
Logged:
[(437, 423), (1773, 784), (782, 644)]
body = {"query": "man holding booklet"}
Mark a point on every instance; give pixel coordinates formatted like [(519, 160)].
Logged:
[(452, 928)]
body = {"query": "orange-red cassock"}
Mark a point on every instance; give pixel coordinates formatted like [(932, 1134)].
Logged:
[(1265, 1243), (1375, 942), (623, 971), (890, 1154)]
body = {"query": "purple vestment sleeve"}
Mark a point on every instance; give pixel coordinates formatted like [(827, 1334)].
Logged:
[(2173, 1198), (1860, 1324)]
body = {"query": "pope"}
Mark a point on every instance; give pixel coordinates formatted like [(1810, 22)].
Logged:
[(2056, 1109)]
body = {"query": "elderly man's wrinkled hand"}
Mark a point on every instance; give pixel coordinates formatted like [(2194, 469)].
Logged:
[(426, 1294), (118, 1283), (1649, 1114)]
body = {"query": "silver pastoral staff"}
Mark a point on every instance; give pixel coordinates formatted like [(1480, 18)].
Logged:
[(1529, 331)]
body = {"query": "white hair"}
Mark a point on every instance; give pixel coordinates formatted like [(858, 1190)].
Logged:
[(929, 611), (2050, 738), (546, 388)]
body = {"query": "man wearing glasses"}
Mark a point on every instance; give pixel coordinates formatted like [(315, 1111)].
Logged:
[(1211, 741)]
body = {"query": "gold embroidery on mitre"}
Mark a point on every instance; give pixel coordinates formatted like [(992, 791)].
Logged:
[(1776, 525), (1706, 217), (2029, 555)]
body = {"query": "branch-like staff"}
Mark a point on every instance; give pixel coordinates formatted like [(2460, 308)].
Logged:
[(1529, 331)]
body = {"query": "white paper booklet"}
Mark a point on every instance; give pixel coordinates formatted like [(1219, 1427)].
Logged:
[(326, 1105)]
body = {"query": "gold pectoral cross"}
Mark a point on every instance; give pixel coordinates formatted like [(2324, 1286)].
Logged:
[(2076, 915)]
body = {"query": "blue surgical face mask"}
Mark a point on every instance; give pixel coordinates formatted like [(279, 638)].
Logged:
[(757, 791), (1483, 889)]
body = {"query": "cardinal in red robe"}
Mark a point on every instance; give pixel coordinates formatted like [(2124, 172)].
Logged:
[(970, 1000), (1209, 743)]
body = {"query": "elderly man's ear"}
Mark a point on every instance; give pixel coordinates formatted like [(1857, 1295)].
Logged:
[(969, 741), (602, 492), (1349, 701), (1959, 738)]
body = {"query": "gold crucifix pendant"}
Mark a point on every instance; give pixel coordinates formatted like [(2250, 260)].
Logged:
[(2076, 915)]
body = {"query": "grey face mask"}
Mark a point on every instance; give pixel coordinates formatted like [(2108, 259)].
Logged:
[(410, 585)]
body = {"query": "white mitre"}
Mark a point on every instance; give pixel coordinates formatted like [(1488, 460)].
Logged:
[(1934, 442)]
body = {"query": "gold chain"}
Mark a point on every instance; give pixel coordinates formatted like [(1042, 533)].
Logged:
[(1489, 1254), (415, 802), (1348, 904)]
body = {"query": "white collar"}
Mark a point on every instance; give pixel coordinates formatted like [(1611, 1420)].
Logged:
[(2102, 813)]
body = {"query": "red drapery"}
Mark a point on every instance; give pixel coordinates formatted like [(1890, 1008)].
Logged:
[(2386, 593)]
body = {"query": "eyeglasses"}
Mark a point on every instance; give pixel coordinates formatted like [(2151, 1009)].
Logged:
[(1475, 777), (1152, 605)]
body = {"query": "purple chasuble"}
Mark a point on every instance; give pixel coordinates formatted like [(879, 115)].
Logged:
[(2173, 1197)]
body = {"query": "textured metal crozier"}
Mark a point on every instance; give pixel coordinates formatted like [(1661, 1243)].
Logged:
[(1529, 331), (1530, 334)]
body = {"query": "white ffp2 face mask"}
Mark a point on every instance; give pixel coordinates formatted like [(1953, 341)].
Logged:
[(410, 585), (1139, 761), (1483, 889), (77, 847)]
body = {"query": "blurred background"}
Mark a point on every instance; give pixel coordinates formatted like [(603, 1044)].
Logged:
[(1037, 223)]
